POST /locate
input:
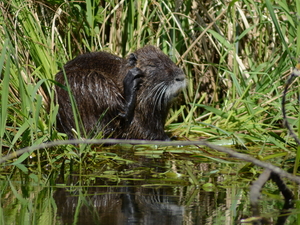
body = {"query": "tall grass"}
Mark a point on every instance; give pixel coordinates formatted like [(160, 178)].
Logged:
[(236, 55)]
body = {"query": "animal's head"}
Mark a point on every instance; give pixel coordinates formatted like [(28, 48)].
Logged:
[(162, 80)]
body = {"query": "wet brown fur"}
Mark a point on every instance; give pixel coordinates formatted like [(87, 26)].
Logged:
[(96, 82)]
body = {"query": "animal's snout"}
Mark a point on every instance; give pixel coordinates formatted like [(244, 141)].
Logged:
[(180, 78)]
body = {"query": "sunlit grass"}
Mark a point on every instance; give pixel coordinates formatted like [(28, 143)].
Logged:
[(237, 56), (236, 64)]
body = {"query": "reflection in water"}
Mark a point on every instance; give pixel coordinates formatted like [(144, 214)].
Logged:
[(139, 202), (120, 205), (132, 200), (138, 205)]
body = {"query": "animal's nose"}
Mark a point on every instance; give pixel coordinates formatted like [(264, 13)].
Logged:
[(180, 78)]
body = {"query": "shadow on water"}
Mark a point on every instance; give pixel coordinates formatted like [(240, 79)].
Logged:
[(139, 190)]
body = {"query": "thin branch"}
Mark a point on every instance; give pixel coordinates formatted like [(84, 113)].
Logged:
[(295, 73), (255, 191), (288, 198), (228, 151)]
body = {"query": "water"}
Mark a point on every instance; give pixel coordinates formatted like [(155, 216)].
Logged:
[(116, 204), (133, 188)]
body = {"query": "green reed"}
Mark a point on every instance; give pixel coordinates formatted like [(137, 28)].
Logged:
[(236, 56)]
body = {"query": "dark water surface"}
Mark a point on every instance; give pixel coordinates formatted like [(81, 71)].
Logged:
[(136, 190), (138, 205)]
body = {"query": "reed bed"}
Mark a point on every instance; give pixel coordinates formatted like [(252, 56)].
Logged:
[(236, 54)]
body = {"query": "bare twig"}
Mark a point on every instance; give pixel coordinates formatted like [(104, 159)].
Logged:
[(295, 73), (288, 198), (255, 191), (257, 185), (229, 151)]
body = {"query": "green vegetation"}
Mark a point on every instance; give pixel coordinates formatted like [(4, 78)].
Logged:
[(237, 56)]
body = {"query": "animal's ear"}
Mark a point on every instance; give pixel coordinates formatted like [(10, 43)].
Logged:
[(132, 59)]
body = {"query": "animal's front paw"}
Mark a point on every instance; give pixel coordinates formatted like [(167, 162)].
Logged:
[(132, 82)]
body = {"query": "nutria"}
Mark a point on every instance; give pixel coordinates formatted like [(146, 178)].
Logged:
[(124, 98)]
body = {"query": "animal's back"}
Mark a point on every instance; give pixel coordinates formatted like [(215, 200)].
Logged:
[(93, 81)]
